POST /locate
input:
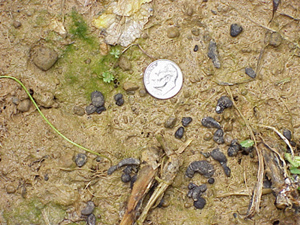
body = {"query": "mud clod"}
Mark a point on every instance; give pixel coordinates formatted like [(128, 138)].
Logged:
[(179, 133), (97, 99), (235, 30), (44, 58), (186, 121), (219, 136), (213, 54), (90, 206), (210, 122), (80, 159), (200, 203), (223, 103), (250, 72), (203, 167)]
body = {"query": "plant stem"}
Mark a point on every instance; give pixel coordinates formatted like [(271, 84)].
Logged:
[(50, 124)]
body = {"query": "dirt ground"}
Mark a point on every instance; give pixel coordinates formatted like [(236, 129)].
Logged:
[(39, 180)]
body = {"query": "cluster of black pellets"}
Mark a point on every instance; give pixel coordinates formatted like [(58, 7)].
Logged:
[(185, 121), (97, 104)]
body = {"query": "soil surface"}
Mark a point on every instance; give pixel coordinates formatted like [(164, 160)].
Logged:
[(40, 182)]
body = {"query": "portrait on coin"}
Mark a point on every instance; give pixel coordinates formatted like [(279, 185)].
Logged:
[(165, 79)]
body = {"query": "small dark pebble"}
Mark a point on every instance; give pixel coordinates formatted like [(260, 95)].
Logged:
[(90, 109), (129, 162), (232, 151), (191, 185), (190, 193), (287, 134), (200, 203), (223, 103), (90, 206), (196, 193), (219, 156), (235, 30), (97, 99), (125, 178), (203, 187), (211, 180), (213, 54), (91, 220), (250, 72), (80, 159), (203, 167), (127, 170), (234, 215), (120, 102), (46, 177), (100, 109), (186, 121), (219, 136), (226, 169), (118, 96), (179, 133), (210, 122), (206, 154), (196, 48), (233, 148)]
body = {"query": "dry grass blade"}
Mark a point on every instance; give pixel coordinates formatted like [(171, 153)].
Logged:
[(280, 135), (257, 192)]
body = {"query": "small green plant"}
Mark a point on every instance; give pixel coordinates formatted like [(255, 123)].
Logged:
[(295, 163), (247, 143), (115, 52), (107, 77)]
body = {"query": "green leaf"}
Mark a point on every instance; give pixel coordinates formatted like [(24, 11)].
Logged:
[(107, 77), (294, 162), (294, 170), (115, 52), (247, 143)]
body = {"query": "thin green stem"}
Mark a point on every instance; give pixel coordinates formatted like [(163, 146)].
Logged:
[(50, 124)]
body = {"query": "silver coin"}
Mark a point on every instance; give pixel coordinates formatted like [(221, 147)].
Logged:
[(163, 79)]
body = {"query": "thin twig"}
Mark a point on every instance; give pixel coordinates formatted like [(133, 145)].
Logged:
[(257, 192), (280, 135)]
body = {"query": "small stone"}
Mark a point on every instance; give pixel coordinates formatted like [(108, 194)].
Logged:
[(97, 99), (118, 96), (228, 139), (226, 169), (87, 61), (90, 206), (44, 58), (77, 110), (287, 134), (170, 122), (196, 48), (17, 24), (173, 32), (232, 151), (90, 109), (179, 133), (15, 100), (129, 86), (210, 122), (250, 72), (186, 121), (207, 136), (200, 203), (100, 109), (275, 39), (125, 178), (195, 31), (211, 180), (235, 30), (10, 189), (218, 136), (120, 102), (124, 63), (80, 159), (213, 54), (91, 220), (24, 105), (142, 92), (191, 186)]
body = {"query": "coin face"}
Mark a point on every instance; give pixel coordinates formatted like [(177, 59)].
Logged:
[(163, 79)]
